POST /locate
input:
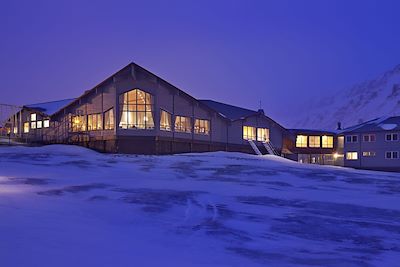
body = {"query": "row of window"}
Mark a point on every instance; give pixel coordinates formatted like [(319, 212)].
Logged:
[(314, 141), (136, 107), (253, 133), (34, 125), (388, 155), (93, 122), (371, 138), (183, 124)]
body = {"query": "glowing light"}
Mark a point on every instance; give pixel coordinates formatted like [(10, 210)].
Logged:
[(335, 155)]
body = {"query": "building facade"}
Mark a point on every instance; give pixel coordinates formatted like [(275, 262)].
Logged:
[(135, 111), (373, 145)]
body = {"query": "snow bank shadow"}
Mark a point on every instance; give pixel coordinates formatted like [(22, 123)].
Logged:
[(187, 168), (73, 189), (157, 200), (362, 230), (286, 259), (26, 181)]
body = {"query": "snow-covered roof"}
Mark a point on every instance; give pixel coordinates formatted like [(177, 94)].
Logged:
[(229, 111), (50, 108), (376, 125)]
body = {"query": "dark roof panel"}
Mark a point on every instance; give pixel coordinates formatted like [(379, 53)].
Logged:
[(229, 111), (52, 107)]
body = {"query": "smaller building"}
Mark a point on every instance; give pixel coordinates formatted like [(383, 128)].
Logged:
[(314, 147), (373, 145)]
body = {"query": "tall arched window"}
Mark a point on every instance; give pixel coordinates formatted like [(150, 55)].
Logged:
[(136, 110)]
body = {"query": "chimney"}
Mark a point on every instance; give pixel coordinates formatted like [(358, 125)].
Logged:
[(339, 126)]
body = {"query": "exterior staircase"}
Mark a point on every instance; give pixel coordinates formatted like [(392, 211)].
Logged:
[(255, 148), (270, 148)]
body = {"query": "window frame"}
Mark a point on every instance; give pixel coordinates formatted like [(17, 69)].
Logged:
[(93, 120), (164, 126), (353, 138), (26, 127), (368, 154), (303, 145), (327, 143), (109, 119), (202, 124), (391, 137), (351, 153), (313, 144), (249, 129), (369, 139), (267, 134), (46, 123), (135, 111), (392, 153), (188, 120)]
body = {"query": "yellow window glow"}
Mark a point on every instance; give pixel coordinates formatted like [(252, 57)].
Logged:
[(327, 141), (301, 141), (314, 141)]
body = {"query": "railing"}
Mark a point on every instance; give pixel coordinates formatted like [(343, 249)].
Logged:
[(255, 148), (270, 148)]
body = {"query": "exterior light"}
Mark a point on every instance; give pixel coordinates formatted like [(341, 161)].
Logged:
[(335, 155)]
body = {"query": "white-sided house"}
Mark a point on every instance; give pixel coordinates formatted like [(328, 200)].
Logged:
[(373, 145)]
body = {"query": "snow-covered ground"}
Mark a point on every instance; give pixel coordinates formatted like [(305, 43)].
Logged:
[(69, 206)]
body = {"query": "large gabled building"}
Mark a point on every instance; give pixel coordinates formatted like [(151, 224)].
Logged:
[(135, 111)]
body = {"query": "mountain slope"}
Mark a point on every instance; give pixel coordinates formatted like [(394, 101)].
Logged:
[(362, 102)]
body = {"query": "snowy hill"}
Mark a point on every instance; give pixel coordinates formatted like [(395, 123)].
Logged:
[(68, 206), (363, 102)]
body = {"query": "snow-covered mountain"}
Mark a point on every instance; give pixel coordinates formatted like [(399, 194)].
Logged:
[(364, 101)]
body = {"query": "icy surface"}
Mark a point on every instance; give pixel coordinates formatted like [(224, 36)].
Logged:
[(68, 206)]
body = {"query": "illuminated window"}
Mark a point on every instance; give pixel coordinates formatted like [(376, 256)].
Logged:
[(165, 121), (341, 142), (314, 141), (39, 124), (202, 126), (183, 124), (79, 123), (136, 110), (249, 133), (369, 154), (301, 141), (15, 130), (26, 127), (351, 155), (33, 117), (109, 119), (33, 125), (95, 122), (369, 137), (327, 141), (46, 123), (262, 134)]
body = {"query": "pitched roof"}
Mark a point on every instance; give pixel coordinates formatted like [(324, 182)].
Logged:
[(229, 111), (376, 125), (52, 107), (312, 131)]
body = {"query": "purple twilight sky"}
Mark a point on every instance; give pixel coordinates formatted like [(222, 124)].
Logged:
[(240, 52)]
